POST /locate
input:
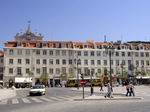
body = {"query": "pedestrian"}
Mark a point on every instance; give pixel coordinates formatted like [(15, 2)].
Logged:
[(128, 89), (131, 87), (101, 86), (109, 91)]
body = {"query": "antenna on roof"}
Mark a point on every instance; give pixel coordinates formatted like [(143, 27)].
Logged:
[(28, 30), (105, 38)]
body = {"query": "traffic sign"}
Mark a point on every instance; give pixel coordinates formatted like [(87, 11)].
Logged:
[(82, 82)]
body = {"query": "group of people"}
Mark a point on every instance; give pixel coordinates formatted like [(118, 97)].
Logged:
[(130, 90)]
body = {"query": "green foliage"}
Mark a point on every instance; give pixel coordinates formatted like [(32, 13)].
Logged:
[(44, 78), (105, 71)]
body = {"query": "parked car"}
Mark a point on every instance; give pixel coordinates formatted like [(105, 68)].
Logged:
[(37, 90)]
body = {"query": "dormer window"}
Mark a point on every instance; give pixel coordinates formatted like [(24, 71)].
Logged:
[(38, 45), (85, 46), (19, 44), (44, 45)]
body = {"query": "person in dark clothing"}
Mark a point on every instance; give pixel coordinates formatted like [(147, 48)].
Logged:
[(128, 90), (101, 86), (131, 87)]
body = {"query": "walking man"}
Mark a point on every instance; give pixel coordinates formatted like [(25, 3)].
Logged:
[(131, 87), (128, 90), (109, 91)]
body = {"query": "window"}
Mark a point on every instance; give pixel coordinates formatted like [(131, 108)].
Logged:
[(112, 62), (51, 61), (19, 71), (105, 62), (44, 70), (98, 53), (79, 70), (63, 53), (11, 52), (10, 61), (136, 54), (27, 70), (27, 61), (64, 62), (51, 53), (123, 54), (27, 52), (44, 61), (57, 53), (10, 70), (86, 71), (117, 62), (38, 70), (123, 62), (147, 62), (98, 62), (99, 70), (1, 61), (57, 71), (51, 70), (70, 53), (92, 62), (142, 54), (79, 53), (44, 52), (117, 53), (147, 54), (19, 61), (38, 61), (85, 53), (70, 62), (137, 63), (129, 54), (85, 62), (19, 52), (142, 62), (57, 61), (92, 53), (63, 70), (37, 52), (129, 62), (71, 71)]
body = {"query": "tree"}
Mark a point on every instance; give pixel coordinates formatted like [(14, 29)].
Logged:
[(30, 74), (44, 79), (105, 77)]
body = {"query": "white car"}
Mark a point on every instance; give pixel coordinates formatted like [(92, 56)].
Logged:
[(37, 90)]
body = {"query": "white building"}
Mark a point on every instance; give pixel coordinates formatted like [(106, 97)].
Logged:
[(61, 59)]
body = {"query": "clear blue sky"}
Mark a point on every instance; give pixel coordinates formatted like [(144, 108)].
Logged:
[(77, 20)]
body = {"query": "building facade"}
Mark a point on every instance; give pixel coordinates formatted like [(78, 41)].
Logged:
[(63, 60)]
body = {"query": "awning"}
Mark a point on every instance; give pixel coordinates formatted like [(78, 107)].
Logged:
[(143, 77), (23, 79)]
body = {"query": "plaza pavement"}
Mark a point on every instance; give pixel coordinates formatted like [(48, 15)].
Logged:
[(7, 93), (118, 93)]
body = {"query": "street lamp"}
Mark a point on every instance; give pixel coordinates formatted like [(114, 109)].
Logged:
[(109, 51), (122, 73), (77, 61), (92, 72)]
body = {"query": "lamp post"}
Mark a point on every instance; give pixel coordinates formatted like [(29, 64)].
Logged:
[(92, 72), (109, 51), (77, 61), (122, 73)]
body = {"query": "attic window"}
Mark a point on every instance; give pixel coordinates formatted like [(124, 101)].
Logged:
[(44, 44)]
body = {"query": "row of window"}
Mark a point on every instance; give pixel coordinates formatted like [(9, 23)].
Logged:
[(79, 53), (86, 62), (51, 70)]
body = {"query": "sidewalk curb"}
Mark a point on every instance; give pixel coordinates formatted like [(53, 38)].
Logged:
[(121, 94), (135, 98)]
